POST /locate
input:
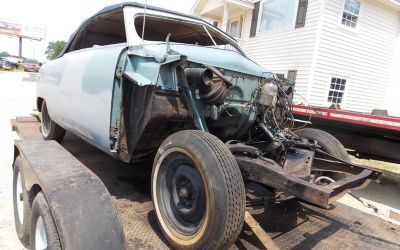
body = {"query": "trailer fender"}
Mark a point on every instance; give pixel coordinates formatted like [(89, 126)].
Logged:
[(79, 202)]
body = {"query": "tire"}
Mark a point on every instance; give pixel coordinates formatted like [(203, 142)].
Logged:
[(21, 207), (329, 144), (50, 129), (43, 231), (208, 210)]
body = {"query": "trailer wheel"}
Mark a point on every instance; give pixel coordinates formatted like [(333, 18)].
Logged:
[(329, 144), (21, 204), (43, 230), (50, 129), (198, 191)]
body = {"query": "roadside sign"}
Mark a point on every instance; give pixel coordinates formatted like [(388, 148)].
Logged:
[(12, 28)]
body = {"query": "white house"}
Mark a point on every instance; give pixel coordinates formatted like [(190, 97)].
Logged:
[(337, 51)]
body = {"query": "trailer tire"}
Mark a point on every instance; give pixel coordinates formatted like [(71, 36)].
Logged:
[(196, 167), (50, 129), (19, 191), (329, 144), (43, 231)]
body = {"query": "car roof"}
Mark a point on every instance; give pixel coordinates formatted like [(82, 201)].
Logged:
[(28, 60), (120, 6), (141, 5)]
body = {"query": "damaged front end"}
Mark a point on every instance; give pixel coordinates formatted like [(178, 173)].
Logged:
[(165, 88)]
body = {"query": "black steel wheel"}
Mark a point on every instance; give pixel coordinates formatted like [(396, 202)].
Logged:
[(50, 129), (198, 191), (182, 192)]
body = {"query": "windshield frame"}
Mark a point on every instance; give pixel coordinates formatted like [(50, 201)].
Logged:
[(133, 39)]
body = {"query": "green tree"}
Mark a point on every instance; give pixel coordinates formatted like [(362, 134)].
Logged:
[(54, 48), (4, 54)]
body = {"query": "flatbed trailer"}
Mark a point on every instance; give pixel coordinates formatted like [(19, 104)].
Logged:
[(369, 136), (127, 188)]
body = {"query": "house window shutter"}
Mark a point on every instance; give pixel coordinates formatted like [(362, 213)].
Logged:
[(254, 19), (301, 13)]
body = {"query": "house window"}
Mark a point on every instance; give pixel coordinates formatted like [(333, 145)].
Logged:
[(292, 75), (351, 11), (235, 27), (277, 14), (336, 90)]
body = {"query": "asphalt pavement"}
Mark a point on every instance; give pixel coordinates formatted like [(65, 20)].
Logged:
[(17, 97)]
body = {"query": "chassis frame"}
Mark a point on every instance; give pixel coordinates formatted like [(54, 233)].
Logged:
[(293, 179)]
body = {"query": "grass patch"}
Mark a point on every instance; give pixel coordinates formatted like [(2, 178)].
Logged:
[(390, 170), (19, 69)]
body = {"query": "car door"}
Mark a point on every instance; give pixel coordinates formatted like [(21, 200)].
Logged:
[(86, 92)]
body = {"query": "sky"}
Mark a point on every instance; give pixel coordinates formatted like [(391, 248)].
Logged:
[(60, 18)]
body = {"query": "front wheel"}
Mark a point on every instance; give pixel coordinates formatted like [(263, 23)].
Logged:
[(198, 191), (329, 144)]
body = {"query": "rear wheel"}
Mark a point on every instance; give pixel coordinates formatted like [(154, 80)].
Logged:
[(198, 191), (329, 144), (43, 230), (21, 204), (50, 129)]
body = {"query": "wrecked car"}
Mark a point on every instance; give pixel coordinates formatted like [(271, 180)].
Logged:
[(138, 81)]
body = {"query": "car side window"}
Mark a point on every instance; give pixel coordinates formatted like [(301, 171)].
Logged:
[(102, 31)]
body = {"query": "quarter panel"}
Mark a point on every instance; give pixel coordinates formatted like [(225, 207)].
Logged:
[(50, 77)]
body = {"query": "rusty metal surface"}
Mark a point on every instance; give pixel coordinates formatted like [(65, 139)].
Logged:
[(269, 173), (292, 226), (28, 128), (79, 201), (299, 163)]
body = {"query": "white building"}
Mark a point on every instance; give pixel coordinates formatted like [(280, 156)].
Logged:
[(337, 51)]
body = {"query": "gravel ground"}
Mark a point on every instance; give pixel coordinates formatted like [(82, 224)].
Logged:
[(17, 97)]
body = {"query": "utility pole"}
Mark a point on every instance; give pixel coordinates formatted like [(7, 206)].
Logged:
[(20, 46)]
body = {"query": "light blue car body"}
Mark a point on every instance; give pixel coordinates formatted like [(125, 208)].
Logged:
[(82, 88)]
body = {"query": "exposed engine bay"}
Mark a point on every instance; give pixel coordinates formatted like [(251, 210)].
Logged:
[(261, 118)]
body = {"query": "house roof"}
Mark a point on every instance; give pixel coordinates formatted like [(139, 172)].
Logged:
[(199, 4), (392, 3)]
